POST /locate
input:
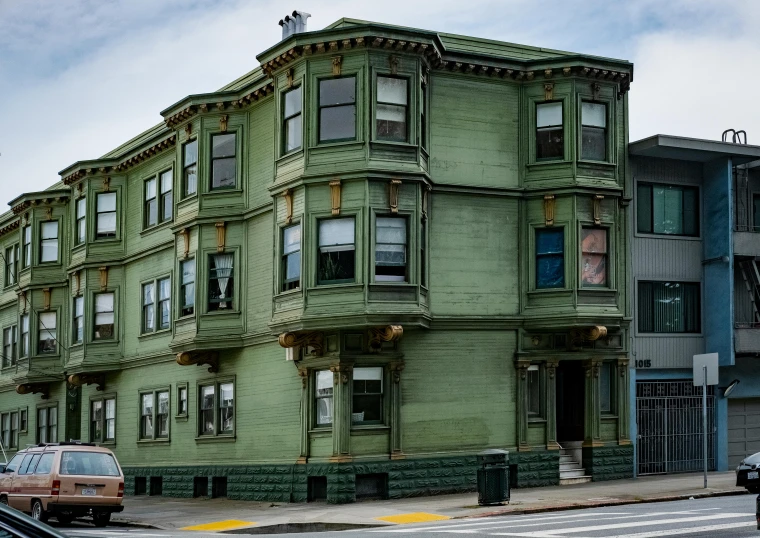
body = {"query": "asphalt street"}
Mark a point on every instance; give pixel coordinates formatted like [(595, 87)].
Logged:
[(713, 517)]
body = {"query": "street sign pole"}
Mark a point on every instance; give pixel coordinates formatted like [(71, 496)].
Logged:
[(704, 421)]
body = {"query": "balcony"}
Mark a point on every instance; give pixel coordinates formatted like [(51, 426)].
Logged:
[(746, 338), (746, 241)]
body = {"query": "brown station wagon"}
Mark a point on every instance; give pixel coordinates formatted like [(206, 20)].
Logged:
[(64, 480)]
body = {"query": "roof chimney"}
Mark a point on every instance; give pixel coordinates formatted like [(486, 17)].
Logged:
[(294, 23)]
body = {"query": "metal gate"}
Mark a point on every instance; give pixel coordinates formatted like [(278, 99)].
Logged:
[(669, 426)]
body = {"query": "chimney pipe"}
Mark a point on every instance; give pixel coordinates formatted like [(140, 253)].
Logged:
[(294, 23)]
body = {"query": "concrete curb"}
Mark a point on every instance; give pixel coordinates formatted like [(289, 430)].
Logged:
[(611, 502)]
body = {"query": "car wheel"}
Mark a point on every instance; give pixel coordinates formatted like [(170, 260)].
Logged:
[(65, 518), (101, 519), (38, 512)]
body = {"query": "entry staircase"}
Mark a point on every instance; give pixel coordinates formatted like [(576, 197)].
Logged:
[(570, 467), (751, 277)]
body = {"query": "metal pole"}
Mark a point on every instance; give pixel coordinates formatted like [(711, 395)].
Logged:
[(704, 420)]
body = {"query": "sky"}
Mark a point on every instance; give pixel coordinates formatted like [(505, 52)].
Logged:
[(80, 77)]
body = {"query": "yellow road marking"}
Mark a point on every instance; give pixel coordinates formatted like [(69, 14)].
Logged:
[(227, 525), (415, 517)]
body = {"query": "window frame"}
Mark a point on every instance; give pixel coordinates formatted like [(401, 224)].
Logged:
[(286, 119), (233, 282), (104, 439), (46, 409), (683, 187), (185, 168), (11, 265), (75, 340), (80, 221), (537, 129), (107, 236), (606, 129), (180, 387), (355, 104), (10, 332), (356, 274), (158, 327), (383, 397), (316, 397), (95, 337), (407, 258), (534, 239), (639, 309), (57, 238), (284, 281), (26, 242), (237, 134), (41, 329), (608, 284), (150, 201), (216, 383), (182, 285), (24, 350), (407, 107), (154, 393)]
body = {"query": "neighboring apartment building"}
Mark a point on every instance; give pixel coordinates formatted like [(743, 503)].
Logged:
[(696, 214), (343, 274)]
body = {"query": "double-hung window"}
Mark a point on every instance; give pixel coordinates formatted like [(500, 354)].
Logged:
[(190, 168), (157, 293), (5, 429), (81, 223), (154, 415), (151, 203), (27, 246), (48, 342), (669, 307), (182, 400), (10, 343), (367, 405), (337, 109), (14, 429), (106, 215), (223, 161), (166, 198), (187, 287), (392, 105), (24, 348), (220, 282), (49, 241), (103, 420), (337, 251), (216, 411), (47, 424), (11, 265), (324, 397), (594, 257), (390, 249), (292, 120), (667, 209), (593, 131), (291, 257), (78, 320), (104, 316), (550, 258), (550, 137)]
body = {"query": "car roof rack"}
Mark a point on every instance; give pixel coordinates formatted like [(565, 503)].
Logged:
[(66, 443)]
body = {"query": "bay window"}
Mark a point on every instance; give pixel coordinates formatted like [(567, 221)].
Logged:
[(593, 131), (187, 287), (292, 120), (550, 137), (223, 161), (390, 249), (594, 257), (47, 332), (337, 109), (78, 320), (190, 168), (291, 257), (49, 241), (550, 258), (391, 112), (106, 215), (81, 223), (104, 316), (337, 251), (220, 282)]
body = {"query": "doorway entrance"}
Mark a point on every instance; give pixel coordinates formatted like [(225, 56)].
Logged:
[(570, 401)]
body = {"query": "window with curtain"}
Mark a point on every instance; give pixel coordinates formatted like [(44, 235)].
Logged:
[(226, 408), (324, 397), (291, 257), (534, 390), (187, 287), (550, 258), (594, 257), (27, 244), (220, 285), (667, 209), (669, 307), (390, 249), (162, 414), (78, 320), (104, 316), (550, 137), (337, 109), (164, 303), (336, 263), (24, 351), (391, 112), (190, 168), (106, 215), (81, 214), (47, 332), (367, 405), (292, 120), (49, 241), (223, 161), (593, 131)]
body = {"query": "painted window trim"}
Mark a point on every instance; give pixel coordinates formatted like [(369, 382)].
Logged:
[(409, 108), (102, 398), (154, 391), (117, 232), (47, 405), (284, 152), (237, 130), (57, 261), (179, 386), (156, 303), (358, 98), (216, 382)]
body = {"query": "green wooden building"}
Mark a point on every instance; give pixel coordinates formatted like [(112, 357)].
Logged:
[(342, 275)]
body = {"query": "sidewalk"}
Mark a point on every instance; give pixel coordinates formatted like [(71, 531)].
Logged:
[(221, 514)]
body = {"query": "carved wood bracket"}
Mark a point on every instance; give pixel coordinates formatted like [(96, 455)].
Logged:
[(598, 208), (549, 90), (34, 388), (522, 369), (396, 368), (221, 229), (378, 335), (335, 196), (340, 373), (185, 233), (78, 380), (579, 335), (46, 294), (313, 339), (211, 358), (393, 195), (337, 62), (103, 277), (288, 195), (549, 209)]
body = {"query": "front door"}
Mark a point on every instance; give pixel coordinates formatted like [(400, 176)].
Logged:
[(570, 401)]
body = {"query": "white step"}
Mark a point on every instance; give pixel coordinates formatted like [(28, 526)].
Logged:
[(566, 459), (572, 473), (564, 467), (574, 480)]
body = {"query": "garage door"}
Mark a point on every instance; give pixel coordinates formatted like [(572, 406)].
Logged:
[(743, 429)]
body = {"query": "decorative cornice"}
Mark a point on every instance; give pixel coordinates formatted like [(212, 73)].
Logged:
[(28, 200), (212, 103), (11, 226)]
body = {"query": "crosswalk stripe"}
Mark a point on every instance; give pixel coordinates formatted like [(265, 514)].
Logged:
[(690, 530), (610, 526), (541, 518)]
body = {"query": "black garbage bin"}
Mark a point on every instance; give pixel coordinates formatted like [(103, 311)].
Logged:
[(493, 476)]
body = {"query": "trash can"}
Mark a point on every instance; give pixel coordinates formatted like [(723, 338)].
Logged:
[(493, 476)]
